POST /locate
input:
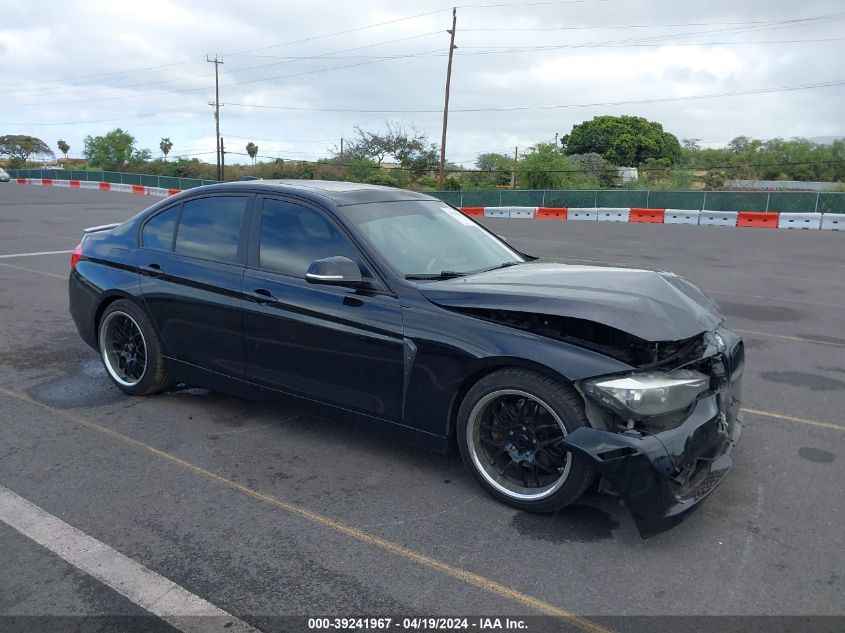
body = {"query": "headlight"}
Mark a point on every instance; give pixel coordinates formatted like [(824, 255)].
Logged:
[(648, 393)]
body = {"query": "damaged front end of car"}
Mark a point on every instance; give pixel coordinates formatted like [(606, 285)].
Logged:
[(662, 435), (661, 429)]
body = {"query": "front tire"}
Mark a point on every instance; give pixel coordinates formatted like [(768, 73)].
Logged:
[(509, 427), (131, 350)]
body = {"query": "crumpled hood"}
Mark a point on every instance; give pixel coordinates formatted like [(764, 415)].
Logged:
[(655, 306)]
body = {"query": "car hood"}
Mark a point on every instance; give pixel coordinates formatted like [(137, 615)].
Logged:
[(655, 306)]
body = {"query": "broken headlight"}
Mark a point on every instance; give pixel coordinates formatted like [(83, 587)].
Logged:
[(649, 393)]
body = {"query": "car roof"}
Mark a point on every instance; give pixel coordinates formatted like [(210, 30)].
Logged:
[(341, 193)]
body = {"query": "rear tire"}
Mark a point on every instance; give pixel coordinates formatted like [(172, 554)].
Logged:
[(131, 350), (509, 425)]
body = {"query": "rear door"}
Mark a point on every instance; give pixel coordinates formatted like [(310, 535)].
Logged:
[(191, 262), (340, 345)]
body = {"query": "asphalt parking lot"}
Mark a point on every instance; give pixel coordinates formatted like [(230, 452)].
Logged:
[(276, 510)]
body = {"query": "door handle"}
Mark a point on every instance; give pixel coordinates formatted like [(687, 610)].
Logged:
[(263, 296), (153, 270)]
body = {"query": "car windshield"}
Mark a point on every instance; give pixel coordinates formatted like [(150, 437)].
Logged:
[(429, 239)]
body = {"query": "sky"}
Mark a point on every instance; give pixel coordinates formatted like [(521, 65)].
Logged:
[(297, 77)]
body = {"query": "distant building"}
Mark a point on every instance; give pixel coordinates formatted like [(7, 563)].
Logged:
[(627, 174), (779, 185)]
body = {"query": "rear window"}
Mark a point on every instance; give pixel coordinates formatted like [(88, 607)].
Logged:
[(158, 231), (210, 228)]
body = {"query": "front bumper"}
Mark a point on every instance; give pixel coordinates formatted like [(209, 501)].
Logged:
[(663, 477)]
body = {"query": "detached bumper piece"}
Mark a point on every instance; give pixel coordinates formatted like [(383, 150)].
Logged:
[(664, 476)]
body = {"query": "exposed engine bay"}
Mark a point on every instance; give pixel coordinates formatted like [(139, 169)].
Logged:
[(601, 338)]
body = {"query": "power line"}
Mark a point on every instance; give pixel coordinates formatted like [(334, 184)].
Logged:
[(265, 140), (827, 84), (233, 53), (766, 25), (236, 83), (344, 32), (578, 170), (148, 115), (45, 91)]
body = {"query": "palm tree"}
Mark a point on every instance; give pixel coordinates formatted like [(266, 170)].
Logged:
[(165, 146), (252, 150), (64, 148)]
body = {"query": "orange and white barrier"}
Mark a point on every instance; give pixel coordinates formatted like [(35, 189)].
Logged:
[(706, 217), (138, 190)]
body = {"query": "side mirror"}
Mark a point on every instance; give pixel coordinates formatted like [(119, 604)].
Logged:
[(336, 271)]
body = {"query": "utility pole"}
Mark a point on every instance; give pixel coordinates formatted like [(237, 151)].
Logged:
[(513, 173), (341, 150), (556, 135), (222, 161), (216, 105), (452, 48)]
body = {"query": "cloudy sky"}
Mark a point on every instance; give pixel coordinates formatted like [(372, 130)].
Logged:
[(299, 76)]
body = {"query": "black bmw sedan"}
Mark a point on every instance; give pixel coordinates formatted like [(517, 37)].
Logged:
[(392, 305)]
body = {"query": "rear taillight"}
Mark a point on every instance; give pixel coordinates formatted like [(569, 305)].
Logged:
[(75, 256)]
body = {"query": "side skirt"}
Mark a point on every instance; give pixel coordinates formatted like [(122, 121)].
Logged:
[(239, 388)]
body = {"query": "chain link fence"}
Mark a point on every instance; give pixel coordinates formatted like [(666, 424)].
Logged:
[(118, 177), (782, 201)]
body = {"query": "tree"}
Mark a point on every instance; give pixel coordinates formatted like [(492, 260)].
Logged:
[(406, 145), (497, 168), (252, 150), (115, 150), (623, 140), (165, 146), (543, 167), (656, 171), (19, 148), (64, 148)]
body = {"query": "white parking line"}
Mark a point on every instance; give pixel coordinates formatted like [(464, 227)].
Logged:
[(35, 254), (32, 270), (155, 593)]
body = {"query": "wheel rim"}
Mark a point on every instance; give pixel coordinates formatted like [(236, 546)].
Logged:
[(514, 442), (123, 348)]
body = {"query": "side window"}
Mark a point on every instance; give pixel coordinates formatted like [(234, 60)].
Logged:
[(210, 228), (293, 236), (158, 231)]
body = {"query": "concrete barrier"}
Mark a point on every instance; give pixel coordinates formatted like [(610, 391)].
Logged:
[(647, 216), (681, 216), (550, 213), (525, 213), (833, 221), (717, 218), (510, 212), (758, 219), (582, 213), (800, 221), (613, 214)]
